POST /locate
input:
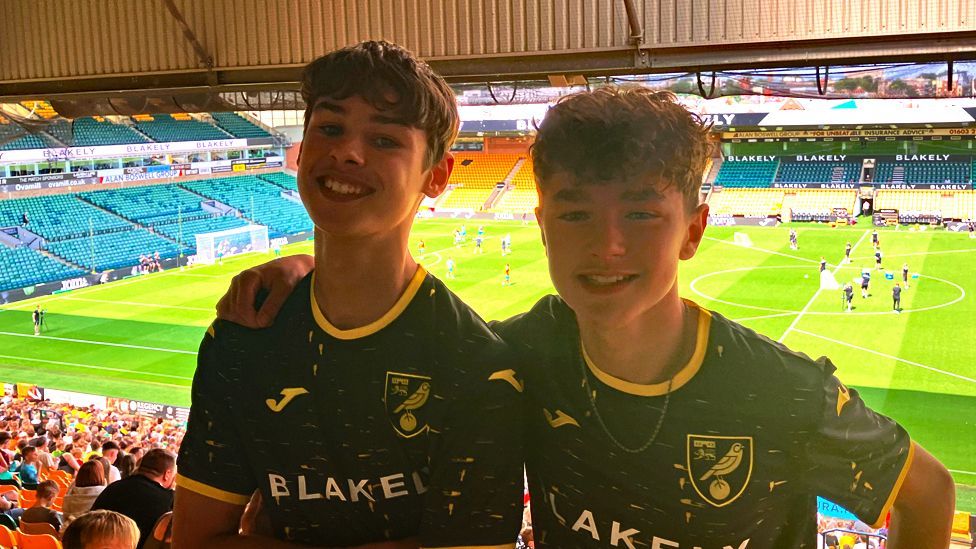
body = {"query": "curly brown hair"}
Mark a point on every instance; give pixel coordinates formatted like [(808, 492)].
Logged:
[(619, 134), (391, 79)]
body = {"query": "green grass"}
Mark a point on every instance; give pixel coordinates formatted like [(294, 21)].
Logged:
[(918, 367)]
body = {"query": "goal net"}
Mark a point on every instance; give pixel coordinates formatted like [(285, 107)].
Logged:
[(216, 245)]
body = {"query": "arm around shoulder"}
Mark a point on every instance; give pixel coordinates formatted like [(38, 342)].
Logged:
[(204, 522), (921, 516)]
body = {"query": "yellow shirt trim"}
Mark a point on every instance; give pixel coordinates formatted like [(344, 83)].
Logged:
[(683, 376), (211, 492), (376, 325), (879, 522)]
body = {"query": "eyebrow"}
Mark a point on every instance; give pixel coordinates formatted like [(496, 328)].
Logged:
[(327, 105), (641, 195), (571, 195)]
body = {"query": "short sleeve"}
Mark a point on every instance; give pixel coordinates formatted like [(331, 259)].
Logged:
[(477, 472), (857, 457), (212, 456)]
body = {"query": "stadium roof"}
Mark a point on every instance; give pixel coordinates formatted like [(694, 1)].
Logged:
[(186, 56)]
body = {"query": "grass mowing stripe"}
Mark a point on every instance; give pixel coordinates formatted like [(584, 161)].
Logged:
[(813, 299), (892, 357), (106, 368), (766, 250), (137, 304), (126, 345)]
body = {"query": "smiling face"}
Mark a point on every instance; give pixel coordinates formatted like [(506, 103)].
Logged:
[(614, 248), (361, 170)]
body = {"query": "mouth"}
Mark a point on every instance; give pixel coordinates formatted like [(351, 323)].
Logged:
[(342, 191), (604, 282)]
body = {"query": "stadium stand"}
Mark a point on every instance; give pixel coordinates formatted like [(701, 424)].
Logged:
[(750, 202), (819, 204), (281, 179), (95, 132), (238, 126), (912, 206), (923, 172), (962, 206), (474, 178), (521, 196), (167, 128), (148, 204), (818, 172), (185, 231), (747, 174), (270, 208), (25, 267), (59, 217), (29, 141), (112, 250)]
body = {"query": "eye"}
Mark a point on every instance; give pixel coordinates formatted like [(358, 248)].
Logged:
[(330, 130), (574, 216), (642, 216), (385, 142)]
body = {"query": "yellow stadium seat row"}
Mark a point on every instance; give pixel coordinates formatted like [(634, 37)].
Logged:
[(465, 198), (746, 202), (517, 200), (823, 200), (484, 170)]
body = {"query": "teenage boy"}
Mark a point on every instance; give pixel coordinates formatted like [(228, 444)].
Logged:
[(379, 411), (655, 422)]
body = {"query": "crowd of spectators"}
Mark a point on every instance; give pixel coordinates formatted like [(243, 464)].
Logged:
[(62, 465)]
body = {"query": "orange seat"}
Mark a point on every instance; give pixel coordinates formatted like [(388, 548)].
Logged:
[(8, 539), (39, 541), (38, 528)]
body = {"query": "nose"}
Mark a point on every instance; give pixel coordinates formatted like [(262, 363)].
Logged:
[(348, 150), (608, 241)]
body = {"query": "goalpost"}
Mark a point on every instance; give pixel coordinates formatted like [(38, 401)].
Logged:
[(220, 244)]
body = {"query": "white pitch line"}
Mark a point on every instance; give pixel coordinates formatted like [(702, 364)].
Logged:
[(14, 334), (758, 249), (958, 472), (139, 304), (107, 368), (760, 317), (198, 275), (892, 357), (817, 293), (913, 254)]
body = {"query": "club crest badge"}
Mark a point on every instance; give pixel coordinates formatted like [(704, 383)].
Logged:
[(405, 396), (719, 467)]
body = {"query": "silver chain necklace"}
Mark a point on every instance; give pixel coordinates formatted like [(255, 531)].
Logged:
[(599, 418)]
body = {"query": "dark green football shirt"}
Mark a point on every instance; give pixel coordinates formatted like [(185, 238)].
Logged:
[(752, 433), (410, 426)]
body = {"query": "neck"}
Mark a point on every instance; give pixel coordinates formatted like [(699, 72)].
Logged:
[(358, 281), (650, 350)]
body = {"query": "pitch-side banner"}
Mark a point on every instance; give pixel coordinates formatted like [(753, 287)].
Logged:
[(108, 151)]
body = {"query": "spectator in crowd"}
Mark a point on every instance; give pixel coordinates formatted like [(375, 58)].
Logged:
[(27, 466), (86, 488), (127, 465), (41, 510), (101, 530), (146, 495), (104, 464), (110, 451)]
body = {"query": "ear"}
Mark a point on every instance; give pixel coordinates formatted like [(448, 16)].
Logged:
[(538, 219), (697, 222), (439, 175)]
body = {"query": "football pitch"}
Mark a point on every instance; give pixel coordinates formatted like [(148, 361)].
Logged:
[(137, 338)]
